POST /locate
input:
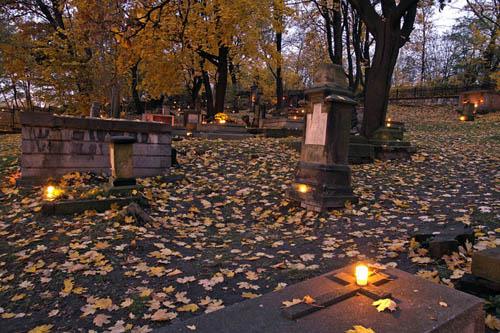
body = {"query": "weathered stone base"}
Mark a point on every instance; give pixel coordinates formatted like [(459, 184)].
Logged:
[(69, 207), (319, 188), (340, 304), (360, 150), (466, 117)]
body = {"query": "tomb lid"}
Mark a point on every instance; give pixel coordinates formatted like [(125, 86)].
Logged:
[(423, 306)]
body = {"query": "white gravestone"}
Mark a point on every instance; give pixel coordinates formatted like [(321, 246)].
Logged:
[(316, 126)]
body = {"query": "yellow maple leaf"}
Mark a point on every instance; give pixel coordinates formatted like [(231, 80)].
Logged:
[(41, 329), (17, 297), (8, 315), (68, 286), (102, 245), (168, 289), (294, 301), (127, 302), (188, 308), (492, 322), (308, 299), (162, 315), (249, 295), (385, 303), (157, 271), (360, 329), (103, 303)]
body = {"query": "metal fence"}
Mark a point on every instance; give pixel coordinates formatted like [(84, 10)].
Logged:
[(9, 121), (434, 92)]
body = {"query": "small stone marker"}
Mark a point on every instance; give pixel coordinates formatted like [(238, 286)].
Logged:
[(122, 164), (339, 304), (95, 110), (446, 240), (486, 264)]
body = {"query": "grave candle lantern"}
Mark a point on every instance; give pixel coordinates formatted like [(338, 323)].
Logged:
[(323, 177)]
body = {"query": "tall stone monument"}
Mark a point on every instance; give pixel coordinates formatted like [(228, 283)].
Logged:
[(323, 178)]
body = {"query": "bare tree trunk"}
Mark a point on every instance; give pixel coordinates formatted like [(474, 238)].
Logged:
[(378, 80), (221, 85), (139, 107), (279, 78), (208, 94), (115, 100)]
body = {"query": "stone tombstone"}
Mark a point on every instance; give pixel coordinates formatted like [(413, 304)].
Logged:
[(323, 178), (95, 110), (339, 304), (122, 165)]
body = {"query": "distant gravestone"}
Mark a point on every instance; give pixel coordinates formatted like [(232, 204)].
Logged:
[(95, 110), (339, 304)]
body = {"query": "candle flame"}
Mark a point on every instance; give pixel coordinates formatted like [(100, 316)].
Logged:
[(303, 188), (361, 275)]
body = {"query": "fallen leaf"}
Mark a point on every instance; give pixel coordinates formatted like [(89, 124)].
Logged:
[(360, 329), (163, 315), (101, 319), (385, 303)]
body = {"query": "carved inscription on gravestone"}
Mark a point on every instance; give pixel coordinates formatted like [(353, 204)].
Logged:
[(316, 126)]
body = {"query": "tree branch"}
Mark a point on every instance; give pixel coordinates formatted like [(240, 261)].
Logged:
[(368, 14)]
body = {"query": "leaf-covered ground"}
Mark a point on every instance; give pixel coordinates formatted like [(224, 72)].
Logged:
[(226, 232)]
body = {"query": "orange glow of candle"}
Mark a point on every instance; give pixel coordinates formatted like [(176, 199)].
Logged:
[(303, 188), (361, 275)]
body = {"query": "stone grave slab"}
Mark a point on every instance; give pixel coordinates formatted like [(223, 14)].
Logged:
[(69, 207), (445, 240), (340, 304), (486, 264)]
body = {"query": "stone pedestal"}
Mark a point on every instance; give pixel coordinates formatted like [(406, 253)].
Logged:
[(339, 304), (360, 150), (122, 164), (388, 142), (485, 278), (323, 178), (486, 264), (467, 112)]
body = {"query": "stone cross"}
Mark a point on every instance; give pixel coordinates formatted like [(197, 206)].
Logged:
[(349, 289)]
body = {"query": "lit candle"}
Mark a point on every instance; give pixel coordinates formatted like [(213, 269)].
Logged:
[(462, 118), (51, 192), (302, 188), (361, 275)]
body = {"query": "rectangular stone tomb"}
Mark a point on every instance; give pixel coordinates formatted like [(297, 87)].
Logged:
[(340, 304), (55, 145)]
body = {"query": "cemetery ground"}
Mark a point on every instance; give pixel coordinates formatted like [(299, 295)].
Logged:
[(223, 231)]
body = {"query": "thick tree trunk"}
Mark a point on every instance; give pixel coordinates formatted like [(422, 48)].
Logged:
[(221, 85), (379, 77), (197, 82), (234, 85), (115, 100), (208, 94), (279, 78), (139, 107)]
